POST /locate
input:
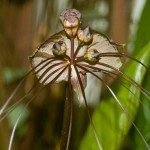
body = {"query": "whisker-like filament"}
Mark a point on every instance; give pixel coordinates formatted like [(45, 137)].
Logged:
[(122, 55), (121, 83), (117, 100), (18, 119), (19, 85), (11, 108), (133, 82), (10, 97), (144, 91), (15, 126), (83, 94), (28, 93), (109, 74), (20, 115)]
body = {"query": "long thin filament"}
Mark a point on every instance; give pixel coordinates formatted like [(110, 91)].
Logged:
[(117, 100)]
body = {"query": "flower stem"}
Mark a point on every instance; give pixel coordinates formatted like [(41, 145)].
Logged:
[(72, 49), (67, 120)]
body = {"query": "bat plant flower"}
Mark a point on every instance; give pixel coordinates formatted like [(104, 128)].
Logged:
[(78, 56), (75, 49)]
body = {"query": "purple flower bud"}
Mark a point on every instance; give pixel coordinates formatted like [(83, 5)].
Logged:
[(70, 15), (70, 19)]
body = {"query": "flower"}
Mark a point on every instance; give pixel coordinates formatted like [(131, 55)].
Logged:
[(60, 53)]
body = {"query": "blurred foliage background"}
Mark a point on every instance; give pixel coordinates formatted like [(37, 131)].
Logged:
[(24, 24)]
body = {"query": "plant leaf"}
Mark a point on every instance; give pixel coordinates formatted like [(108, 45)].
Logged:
[(143, 33), (142, 118)]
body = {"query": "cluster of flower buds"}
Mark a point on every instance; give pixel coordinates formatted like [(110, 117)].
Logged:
[(59, 48), (70, 19)]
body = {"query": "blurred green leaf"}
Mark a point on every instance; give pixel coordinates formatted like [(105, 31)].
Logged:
[(13, 116), (110, 121), (143, 118), (143, 32), (13, 74)]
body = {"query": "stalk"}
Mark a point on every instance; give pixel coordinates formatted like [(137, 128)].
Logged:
[(67, 119)]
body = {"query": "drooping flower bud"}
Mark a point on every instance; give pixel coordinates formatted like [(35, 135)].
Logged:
[(92, 55), (59, 48), (85, 35), (70, 19)]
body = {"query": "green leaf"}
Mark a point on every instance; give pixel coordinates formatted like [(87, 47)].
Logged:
[(143, 117), (111, 123), (143, 33), (13, 74)]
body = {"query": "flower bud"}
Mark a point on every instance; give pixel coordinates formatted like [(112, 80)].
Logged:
[(85, 35), (72, 23), (70, 19), (59, 48), (71, 27), (92, 55)]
